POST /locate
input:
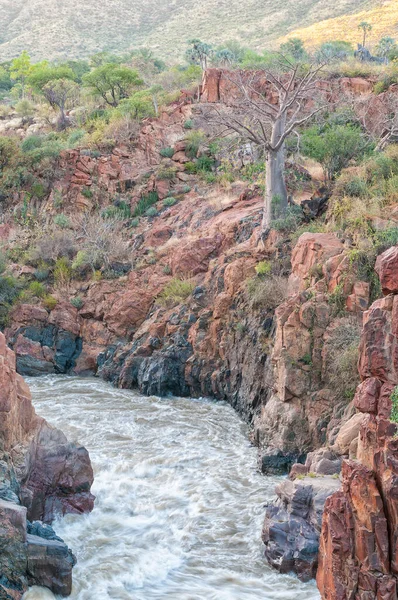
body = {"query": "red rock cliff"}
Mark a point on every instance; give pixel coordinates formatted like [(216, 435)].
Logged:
[(358, 556), (42, 474)]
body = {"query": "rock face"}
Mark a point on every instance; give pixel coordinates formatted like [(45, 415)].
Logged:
[(292, 524), (41, 474), (358, 555)]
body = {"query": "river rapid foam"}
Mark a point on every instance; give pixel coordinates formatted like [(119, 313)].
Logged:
[(179, 499)]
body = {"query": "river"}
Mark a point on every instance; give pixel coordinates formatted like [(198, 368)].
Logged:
[(179, 500)]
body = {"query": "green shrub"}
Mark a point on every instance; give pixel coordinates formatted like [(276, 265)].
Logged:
[(25, 108), (337, 300), (42, 273), (134, 222), (290, 221), (87, 193), (356, 187), (32, 142), (167, 152), (188, 124), (3, 263), (62, 271), (50, 302), (75, 137), (151, 212), (176, 291), (62, 221), (77, 302), (186, 189), (50, 149), (394, 405), (204, 163), (190, 168), (36, 288), (263, 267), (10, 290), (144, 203), (209, 177), (80, 261), (334, 146), (167, 173), (170, 201), (120, 210), (193, 141)]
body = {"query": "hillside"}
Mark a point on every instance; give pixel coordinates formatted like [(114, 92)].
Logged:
[(53, 29), (383, 16)]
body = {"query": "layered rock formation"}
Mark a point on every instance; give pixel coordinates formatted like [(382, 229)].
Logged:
[(359, 552), (41, 474)]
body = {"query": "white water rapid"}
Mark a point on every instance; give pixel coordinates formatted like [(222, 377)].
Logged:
[(179, 500)]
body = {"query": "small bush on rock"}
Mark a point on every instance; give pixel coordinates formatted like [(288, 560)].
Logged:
[(169, 201), (37, 289), (77, 302), (267, 293), (176, 291), (151, 212), (167, 152), (50, 302), (394, 405), (62, 221)]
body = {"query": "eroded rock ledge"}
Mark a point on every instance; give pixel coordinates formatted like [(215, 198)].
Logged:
[(358, 555), (41, 474), (353, 519)]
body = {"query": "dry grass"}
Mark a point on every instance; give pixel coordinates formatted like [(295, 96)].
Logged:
[(83, 28), (267, 292), (341, 368), (382, 15)]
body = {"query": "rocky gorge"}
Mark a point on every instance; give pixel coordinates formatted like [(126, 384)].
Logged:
[(41, 474), (268, 349)]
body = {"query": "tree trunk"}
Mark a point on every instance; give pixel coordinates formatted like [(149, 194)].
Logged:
[(155, 105), (275, 186), (62, 120)]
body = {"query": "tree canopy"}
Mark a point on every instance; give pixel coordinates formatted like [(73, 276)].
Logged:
[(112, 82)]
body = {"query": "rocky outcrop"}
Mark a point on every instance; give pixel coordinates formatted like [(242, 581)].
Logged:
[(219, 85), (45, 342), (41, 475), (358, 555), (292, 524)]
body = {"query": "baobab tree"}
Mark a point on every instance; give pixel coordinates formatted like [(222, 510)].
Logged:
[(268, 106)]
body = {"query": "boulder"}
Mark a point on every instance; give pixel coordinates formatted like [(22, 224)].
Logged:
[(292, 525), (387, 270), (311, 250), (50, 564)]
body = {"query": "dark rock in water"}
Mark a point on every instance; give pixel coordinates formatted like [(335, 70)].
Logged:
[(43, 530), (31, 559), (12, 547), (293, 523), (50, 564), (163, 374), (28, 366), (59, 480)]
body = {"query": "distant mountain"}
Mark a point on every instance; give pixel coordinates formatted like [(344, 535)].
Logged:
[(75, 28)]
